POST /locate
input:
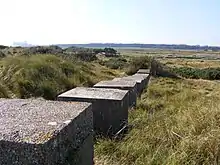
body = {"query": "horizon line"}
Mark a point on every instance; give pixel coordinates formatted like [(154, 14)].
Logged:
[(137, 44), (134, 43)]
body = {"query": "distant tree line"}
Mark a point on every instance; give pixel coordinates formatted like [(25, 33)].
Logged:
[(109, 51), (153, 46), (109, 46), (86, 54), (3, 47)]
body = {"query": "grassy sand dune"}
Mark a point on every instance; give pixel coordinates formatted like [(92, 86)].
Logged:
[(176, 122), (47, 75)]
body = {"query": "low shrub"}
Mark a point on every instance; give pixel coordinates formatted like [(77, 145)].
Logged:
[(162, 70), (3, 46), (115, 63), (136, 63), (3, 91), (196, 73), (2, 54), (86, 56), (43, 50)]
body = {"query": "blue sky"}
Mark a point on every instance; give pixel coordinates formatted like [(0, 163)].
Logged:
[(120, 21)]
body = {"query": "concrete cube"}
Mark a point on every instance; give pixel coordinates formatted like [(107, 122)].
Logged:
[(110, 107), (143, 71), (138, 79), (39, 132), (131, 86), (146, 78)]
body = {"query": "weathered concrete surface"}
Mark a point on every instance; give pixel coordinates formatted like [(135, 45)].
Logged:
[(119, 79), (87, 150), (146, 78), (110, 107), (143, 71), (43, 132), (131, 86), (138, 79)]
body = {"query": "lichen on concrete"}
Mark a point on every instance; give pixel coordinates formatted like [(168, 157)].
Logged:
[(118, 83), (95, 93), (144, 71), (40, 131), (131, 86)]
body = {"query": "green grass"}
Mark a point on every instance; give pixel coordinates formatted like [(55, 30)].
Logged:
[(47, 75), (176, 122), (3, 92), (206, 73), (115, 63)]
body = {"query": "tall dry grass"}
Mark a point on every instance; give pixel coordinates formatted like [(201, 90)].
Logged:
[(176, 122), (47, 75)]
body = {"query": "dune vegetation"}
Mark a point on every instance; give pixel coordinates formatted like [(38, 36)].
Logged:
[(176, 122), (46, 71), (177, 118), (47, 75)]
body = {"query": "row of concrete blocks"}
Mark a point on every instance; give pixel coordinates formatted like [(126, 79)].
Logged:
[(40, 132)]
